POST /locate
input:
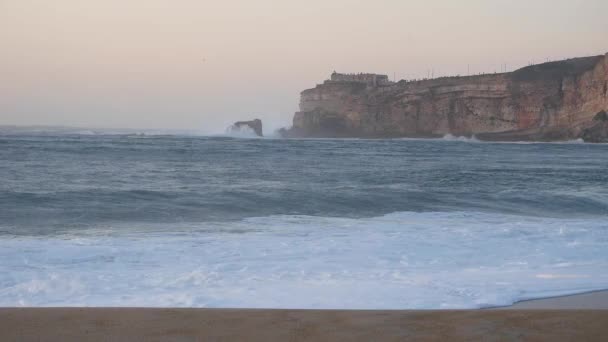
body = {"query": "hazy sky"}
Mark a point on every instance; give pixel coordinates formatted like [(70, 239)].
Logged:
[(181, 64)]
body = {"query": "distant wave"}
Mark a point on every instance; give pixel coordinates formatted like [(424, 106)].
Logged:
[(450, 137), (574, 141), (243, 131)]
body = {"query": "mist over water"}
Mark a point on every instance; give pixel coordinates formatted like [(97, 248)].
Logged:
[(90, 218)]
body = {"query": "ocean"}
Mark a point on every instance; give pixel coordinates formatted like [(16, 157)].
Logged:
[(154, 220)]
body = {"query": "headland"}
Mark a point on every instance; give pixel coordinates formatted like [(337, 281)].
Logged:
[(553, 101)]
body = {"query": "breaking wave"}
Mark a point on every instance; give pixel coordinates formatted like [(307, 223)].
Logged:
[(402, 260), (451, 137), (243, 131)]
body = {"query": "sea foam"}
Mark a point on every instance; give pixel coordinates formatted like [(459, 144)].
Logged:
[(404, 260)]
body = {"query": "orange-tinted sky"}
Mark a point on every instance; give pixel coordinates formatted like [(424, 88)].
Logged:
[(185, 64)]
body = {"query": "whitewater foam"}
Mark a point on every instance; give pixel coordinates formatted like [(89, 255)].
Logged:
[(404, 260), (450, 137)]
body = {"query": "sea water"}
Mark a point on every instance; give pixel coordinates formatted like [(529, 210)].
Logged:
[(123, 219)]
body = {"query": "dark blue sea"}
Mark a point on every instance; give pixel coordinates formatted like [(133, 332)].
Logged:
[(138, 219)]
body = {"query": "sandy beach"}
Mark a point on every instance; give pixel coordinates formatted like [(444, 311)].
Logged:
[(572, 318)]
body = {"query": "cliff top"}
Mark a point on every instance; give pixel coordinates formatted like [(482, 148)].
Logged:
[(556, 70), (549, 71)]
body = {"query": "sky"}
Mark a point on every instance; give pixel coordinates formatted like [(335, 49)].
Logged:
[(200, 65)]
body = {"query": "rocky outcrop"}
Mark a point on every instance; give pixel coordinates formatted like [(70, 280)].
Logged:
[(550, 101), (255, 125), (598, 130)]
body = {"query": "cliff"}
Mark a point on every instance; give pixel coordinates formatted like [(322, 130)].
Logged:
[(550, 101)]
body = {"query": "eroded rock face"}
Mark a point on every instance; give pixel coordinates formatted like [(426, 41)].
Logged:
[(550, 101), (255, 125)]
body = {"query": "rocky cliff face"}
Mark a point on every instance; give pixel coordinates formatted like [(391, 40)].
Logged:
[(550, 101)]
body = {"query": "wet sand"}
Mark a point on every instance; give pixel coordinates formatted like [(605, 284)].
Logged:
[(597, 300), (526, 321)]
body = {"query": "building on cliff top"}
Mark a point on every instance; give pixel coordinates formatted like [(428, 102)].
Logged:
[(374, 80)]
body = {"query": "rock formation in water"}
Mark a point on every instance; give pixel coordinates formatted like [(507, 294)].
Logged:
[(545, 102), (255, 125), (598, 130)]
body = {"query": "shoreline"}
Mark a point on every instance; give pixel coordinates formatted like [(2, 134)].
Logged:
[(564, 318), (588, 300)]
